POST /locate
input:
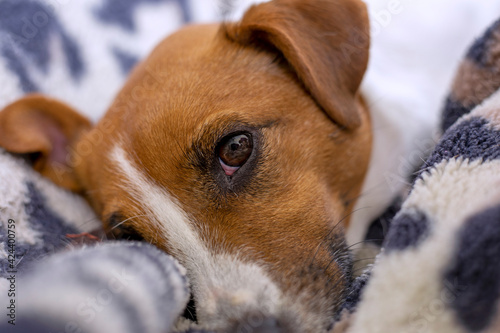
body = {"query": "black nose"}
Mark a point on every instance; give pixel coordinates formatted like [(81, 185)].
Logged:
[(259, 323)]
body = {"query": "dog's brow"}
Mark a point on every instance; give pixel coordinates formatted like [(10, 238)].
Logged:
[(219, 126)]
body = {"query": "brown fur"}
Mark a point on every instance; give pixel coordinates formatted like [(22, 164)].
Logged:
[(283, 73), (44, 126)]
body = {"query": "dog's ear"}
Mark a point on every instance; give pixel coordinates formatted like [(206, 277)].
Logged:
[(325, 42), (44, 130)]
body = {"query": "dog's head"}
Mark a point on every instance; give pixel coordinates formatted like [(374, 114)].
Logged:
[(239, 149)]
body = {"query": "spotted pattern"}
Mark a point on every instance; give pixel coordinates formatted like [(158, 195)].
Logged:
[(471, 139), (477, 78), (479, 51), (379, 227), (474, 276), (408, 229), (453, 110)]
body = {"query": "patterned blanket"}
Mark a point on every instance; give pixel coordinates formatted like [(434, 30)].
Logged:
[(437, 271)]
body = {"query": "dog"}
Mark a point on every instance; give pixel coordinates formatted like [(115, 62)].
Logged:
[(239, 148)]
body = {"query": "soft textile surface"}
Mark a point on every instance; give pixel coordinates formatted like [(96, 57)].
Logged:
[(80, 51), (33, 218), (438, 271), (122, 287)]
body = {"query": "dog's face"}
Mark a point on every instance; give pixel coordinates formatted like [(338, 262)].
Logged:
[(239, 149)]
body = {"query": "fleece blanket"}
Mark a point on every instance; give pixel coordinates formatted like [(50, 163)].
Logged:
[(437, 271)]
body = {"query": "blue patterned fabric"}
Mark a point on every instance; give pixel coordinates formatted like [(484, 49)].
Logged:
[(121, 12), (124, 287), (71, 50), (28, 40)]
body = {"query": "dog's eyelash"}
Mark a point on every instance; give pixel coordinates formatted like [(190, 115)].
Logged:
[(216, 131)]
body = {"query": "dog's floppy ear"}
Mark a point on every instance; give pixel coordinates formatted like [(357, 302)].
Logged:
[(44, 130), (325, 42)]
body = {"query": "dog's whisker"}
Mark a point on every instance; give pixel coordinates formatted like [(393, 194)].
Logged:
[(352, 273), (330, 232), (364, 241), (128, 219), (363, 259), (339, 277)]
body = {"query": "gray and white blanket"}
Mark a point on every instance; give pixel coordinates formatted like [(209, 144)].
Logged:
[(438, 270), (439, 267)]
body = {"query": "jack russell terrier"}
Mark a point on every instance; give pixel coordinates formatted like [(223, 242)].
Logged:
[(241, 149)]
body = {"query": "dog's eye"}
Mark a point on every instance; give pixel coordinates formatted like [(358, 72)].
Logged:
[(234, 152)]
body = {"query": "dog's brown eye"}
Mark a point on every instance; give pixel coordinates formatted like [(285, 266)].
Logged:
[(235, 151)]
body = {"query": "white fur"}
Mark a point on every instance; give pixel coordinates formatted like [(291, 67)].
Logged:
[(223, 284), (414, 55)]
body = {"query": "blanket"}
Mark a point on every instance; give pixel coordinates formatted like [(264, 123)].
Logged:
[(80, 51), (438, 270)]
